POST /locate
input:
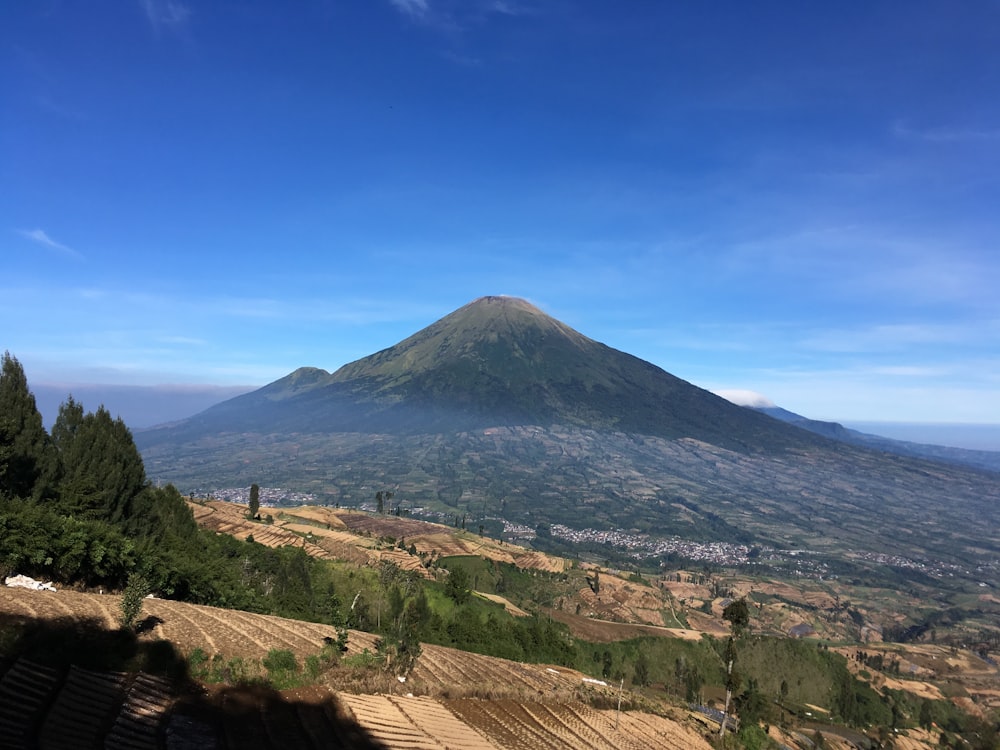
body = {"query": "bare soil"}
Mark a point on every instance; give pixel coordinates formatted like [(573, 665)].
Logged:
[(469, 702)]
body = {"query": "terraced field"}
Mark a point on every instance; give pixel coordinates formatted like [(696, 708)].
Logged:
[(228, 518), (67, 706), (354, 536), (469, 724), (226, 632)]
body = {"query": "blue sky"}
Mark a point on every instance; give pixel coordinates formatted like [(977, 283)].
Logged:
[(797, 199)]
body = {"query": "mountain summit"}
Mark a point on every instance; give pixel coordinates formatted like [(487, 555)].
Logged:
[(497, 361)]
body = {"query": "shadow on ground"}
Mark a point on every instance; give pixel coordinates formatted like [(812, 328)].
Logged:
[(71, 682)]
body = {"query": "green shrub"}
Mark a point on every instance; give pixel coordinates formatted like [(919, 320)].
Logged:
[(280, 660), (131, 605), (196, 658)]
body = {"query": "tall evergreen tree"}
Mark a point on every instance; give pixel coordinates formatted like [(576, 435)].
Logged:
[(67, 423), (28, 463), (254, 506), (103, 470)]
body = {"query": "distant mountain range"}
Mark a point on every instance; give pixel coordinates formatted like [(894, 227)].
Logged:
[(500, 412), (980, 459)]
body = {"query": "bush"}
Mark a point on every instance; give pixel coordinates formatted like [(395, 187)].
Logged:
[(196, 658), (280, 660), (131, 605)]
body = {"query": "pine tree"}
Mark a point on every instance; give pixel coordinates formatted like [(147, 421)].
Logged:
[(254, 507), (28, 463), (67, 423), (103, 470)]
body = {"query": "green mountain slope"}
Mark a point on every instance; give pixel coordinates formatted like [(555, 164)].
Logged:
[(498, 361)]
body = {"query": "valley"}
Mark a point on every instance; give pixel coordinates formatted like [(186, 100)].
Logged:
[(459, 699)]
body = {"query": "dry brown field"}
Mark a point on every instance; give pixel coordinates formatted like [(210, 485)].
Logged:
[(230, 518), (452, 699), (335, 531), (921, 665)]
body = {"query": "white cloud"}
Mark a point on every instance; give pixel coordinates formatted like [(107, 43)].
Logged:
[(745, 398), (870, 392), (40, 237)]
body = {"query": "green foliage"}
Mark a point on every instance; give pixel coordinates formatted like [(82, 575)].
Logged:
[(234, 671), (753, 706), (102, 471), (254, 506), (365, 660), (640, 675), (457, 586), (27, 458), (131, 603), (752, 737), (279, 669), (36, 540), (737, 614), (280, 660)]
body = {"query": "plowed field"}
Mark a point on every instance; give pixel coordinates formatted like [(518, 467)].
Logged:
[(353, 535), (73, 707)]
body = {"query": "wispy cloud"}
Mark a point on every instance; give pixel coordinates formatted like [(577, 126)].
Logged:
[(166, 15), (50, 105), (183, 341), (457, 15), (945, 134), (40, 237), (415, 9), (882, 338), (506, 8)]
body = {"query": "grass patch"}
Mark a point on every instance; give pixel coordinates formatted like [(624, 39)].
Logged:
[(279, 669)]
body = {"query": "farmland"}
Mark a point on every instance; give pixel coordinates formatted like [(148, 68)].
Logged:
[(681, 605), (442, 706), (364, 538)]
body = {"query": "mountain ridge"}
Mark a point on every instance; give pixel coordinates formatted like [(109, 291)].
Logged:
[(980, 459), (497, 361)]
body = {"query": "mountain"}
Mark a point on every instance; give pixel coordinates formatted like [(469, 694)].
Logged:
[(503, 415), (498, 361), (989, 460)]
